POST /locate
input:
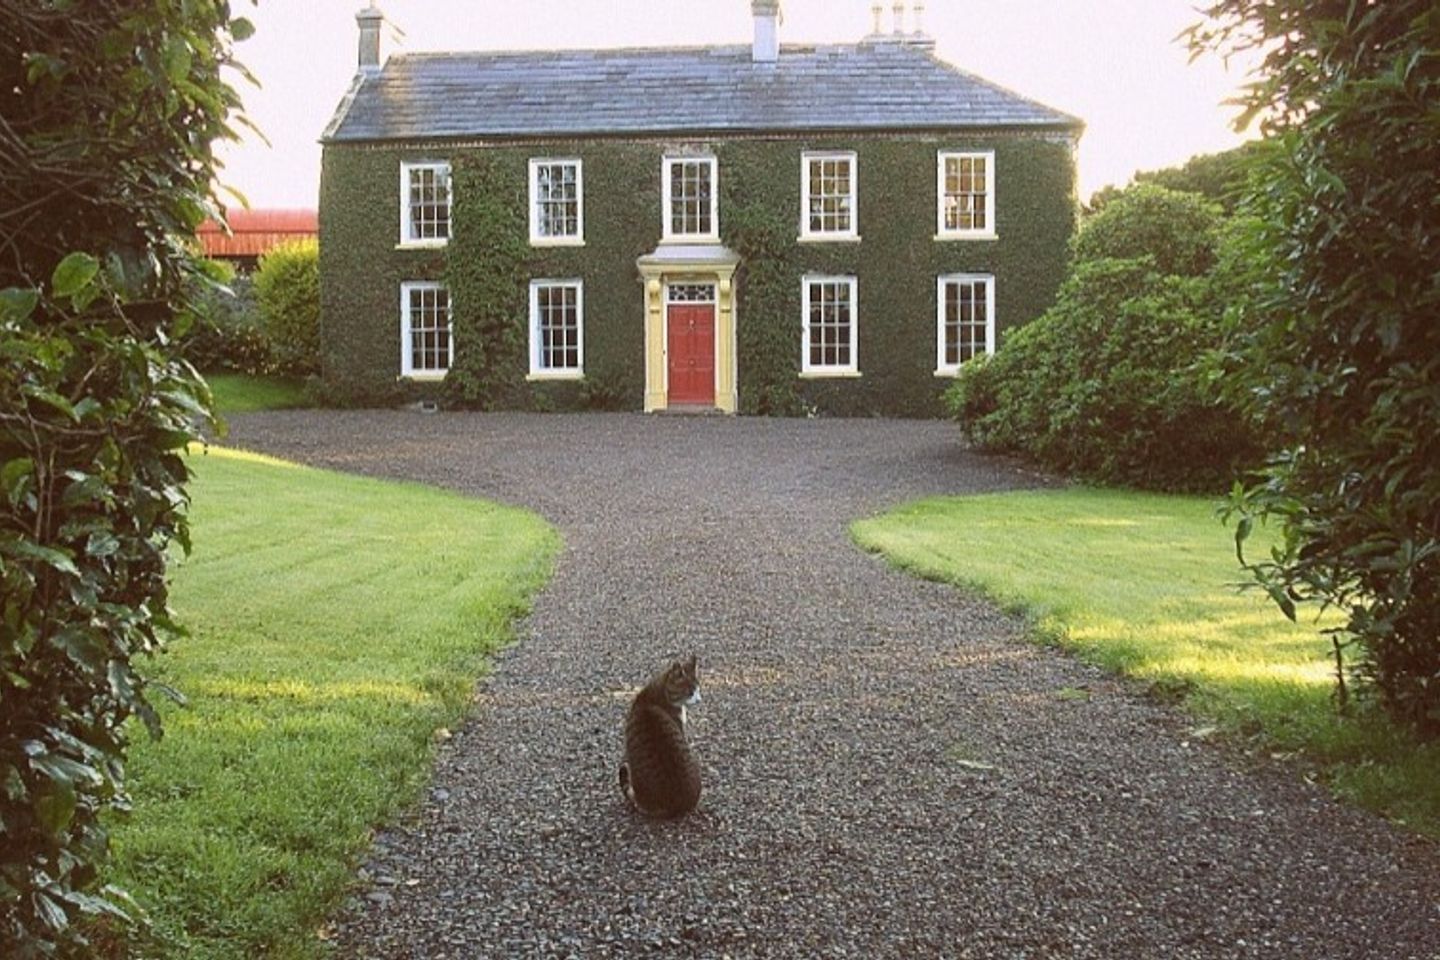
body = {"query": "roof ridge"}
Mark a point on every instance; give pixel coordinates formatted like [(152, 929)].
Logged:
[(679, 48)]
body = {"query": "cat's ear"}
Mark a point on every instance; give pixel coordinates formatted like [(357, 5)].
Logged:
[(690, 664)]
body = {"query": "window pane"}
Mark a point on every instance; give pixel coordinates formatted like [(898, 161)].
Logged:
[(427, 318), (966, 320), (830, 325), (428, 203), (558, 326), (557, 199), (966, 194), (831, 194), (692, 209)]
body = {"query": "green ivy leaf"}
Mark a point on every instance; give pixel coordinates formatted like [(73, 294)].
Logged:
[(74, 274), (241, 29)]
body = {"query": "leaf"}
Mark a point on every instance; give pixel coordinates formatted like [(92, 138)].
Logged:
[(17, 303), (178, 59), (11, 785), (56, 807), (74, 274), (82, 648), (60, 769), (241, 29), (102, 545), (58, 559), (49, 911), (13, 477), (52, 399)]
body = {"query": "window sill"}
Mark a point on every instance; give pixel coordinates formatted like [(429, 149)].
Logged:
[(830, 375), (697, 238), (425, 376), (539, 376), (557, 241), (947, 237), (948, 373), (828, 238), (421, 244)]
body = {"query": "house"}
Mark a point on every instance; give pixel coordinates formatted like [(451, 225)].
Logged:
[(254, 233), (771, 228)]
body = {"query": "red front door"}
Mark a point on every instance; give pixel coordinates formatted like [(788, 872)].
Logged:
[(692, 353)]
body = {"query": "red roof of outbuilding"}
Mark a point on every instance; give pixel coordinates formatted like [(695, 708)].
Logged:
[(255, 232)]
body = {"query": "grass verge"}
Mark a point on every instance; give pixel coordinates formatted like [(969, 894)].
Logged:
[(1145, 585), (338, 623), (238, 393)]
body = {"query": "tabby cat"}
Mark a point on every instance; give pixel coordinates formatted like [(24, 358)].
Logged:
[(660, 775)]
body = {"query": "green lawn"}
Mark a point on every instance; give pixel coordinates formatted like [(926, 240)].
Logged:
[(237, 393), (1145, 585), (339, 623)]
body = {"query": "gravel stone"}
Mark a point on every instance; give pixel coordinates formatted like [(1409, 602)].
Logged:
[(890, 768)]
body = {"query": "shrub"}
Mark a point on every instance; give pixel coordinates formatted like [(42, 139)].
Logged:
[(229, 336), (110, 111), (1106, 385), (287, 287), (1342, 349), (1178, 230)]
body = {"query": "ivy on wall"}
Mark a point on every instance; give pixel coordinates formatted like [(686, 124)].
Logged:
[(488, 279), (489, 264)]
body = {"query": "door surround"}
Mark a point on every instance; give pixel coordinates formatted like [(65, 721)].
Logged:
[(681, 264)]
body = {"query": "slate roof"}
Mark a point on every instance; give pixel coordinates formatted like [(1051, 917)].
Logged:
[(864, 86)]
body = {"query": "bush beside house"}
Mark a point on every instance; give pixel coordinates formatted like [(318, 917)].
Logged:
[(1110, 384), (287, 289)]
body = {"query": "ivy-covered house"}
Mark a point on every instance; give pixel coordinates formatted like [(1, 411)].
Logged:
[(761, 229)]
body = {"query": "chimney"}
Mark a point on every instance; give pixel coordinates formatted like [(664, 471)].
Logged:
[(370, 20), (767, 30)]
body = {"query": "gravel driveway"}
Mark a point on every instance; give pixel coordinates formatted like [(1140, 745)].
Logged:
[(889, 770)]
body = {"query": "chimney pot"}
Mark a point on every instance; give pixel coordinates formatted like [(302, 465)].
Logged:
[(767, 30), (370, 20), (899, 17)]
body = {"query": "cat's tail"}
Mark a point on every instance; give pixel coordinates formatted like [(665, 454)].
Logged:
[(626, 790)]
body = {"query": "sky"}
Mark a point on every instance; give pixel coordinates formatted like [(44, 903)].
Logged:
[(1114, 63)]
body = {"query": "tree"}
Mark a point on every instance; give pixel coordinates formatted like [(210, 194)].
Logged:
[(1218, 177), (1342, 351), (110, 108), (1178, 231)]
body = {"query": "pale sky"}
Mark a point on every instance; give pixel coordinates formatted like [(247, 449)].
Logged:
[(1113, 63)]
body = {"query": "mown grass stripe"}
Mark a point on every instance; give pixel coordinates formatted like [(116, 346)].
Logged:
[(338, 622)]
